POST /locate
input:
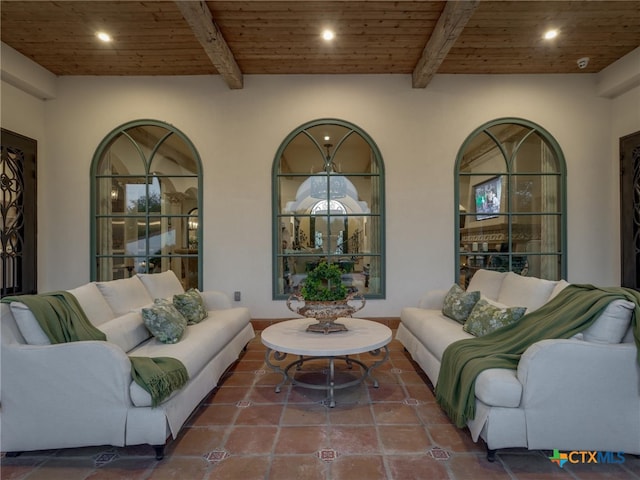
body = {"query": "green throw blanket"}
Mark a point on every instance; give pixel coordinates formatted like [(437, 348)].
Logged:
[(571, 311), (63, 320)]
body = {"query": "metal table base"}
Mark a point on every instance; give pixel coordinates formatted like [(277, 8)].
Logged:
[(330, 384)]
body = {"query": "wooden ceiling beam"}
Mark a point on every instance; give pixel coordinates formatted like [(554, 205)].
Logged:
[(199, 18), (450, 25)]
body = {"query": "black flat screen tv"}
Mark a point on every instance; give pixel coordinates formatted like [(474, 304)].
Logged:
[(488, 198)]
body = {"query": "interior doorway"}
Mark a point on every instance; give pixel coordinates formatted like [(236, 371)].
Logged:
[(18, 259), (630, 210)]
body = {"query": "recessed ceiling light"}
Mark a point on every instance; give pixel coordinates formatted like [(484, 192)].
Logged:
[(328, 34), (327, 138), (549, 34), (105, 37)]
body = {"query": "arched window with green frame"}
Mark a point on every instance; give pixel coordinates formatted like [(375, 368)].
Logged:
[(328, 205), (146, 205), (510, 194)]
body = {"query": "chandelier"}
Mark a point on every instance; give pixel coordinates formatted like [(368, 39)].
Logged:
[(329, 185)]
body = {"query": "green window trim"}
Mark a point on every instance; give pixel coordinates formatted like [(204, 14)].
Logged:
[(137, 223), (526, 181), (327, 205)]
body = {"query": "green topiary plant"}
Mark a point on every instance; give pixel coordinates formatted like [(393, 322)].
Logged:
[(324, 284)]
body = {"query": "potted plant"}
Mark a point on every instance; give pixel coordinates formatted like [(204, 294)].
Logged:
[(325, 298)]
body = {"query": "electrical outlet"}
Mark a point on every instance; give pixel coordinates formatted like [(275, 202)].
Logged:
[(236, 296)]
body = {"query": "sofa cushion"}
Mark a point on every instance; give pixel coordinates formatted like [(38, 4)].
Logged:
[(93, 303), (487, 282), (126, 331), (529, 292), (458, 303), (499, 387), (28, 325), (433, 329), (125, 294), (161, 285), (200, 343), (612, 324), (190, 305), (164, 321), (488, 316)]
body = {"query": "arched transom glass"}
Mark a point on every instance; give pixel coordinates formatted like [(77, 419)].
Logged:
[(510, 198), (328, 202), (145, 204)]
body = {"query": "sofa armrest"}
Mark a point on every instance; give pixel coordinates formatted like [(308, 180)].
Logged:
[(96, 369), (215, 300), (78, 391), (581, 396), (433, 299)]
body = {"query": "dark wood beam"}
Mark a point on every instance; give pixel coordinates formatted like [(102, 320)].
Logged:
[(450, 25), (199, 18)]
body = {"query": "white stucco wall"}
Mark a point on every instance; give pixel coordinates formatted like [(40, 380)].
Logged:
[(237, 133)]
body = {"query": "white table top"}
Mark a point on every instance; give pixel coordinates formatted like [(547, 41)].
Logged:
[(291, 337)]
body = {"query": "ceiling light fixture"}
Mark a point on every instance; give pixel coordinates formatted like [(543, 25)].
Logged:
[(332, 187), (103, 36), (328, 35), (550, 34)]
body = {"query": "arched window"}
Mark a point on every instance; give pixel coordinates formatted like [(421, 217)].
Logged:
[(328, 204), (511, 200), (146, 204)]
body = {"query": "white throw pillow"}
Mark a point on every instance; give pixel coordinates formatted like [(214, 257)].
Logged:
[(93, 303), (530, 292), (612, 324), (487, 282), (28, 325), (161, 285), (124, 295), (561, 285)]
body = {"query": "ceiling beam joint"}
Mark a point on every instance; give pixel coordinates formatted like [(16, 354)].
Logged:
[(199, 18), (450, 25)]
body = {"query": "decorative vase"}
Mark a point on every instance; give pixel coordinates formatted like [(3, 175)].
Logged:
[(326, 312)]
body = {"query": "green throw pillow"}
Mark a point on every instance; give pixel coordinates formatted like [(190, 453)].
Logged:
[(164, 321), (191, 306), (487, 317), (458, 303)]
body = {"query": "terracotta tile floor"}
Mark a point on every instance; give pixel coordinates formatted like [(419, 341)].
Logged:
[(244, 431)]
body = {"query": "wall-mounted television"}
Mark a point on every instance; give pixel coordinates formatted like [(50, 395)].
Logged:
[(488, 198)]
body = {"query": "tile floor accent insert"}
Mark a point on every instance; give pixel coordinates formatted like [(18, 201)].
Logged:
[(103, 458), (244, 430), (216, 456), (327, 455)]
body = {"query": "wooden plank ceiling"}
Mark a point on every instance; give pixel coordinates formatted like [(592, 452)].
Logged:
[(235, 38)]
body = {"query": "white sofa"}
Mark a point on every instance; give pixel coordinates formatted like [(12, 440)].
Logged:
[(581, 393), (82, 394)]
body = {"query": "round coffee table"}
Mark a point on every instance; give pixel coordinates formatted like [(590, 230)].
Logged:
[(291, 337)]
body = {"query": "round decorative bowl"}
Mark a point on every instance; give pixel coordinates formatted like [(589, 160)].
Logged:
[(326, 312)]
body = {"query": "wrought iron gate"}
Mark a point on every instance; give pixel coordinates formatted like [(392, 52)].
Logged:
[(17, 214), (630, 210)]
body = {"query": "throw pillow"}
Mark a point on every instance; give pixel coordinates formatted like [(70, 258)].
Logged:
[(191, 306), (612, 323), (164, 321), (458, 303), (487, 317), (28, 325)]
